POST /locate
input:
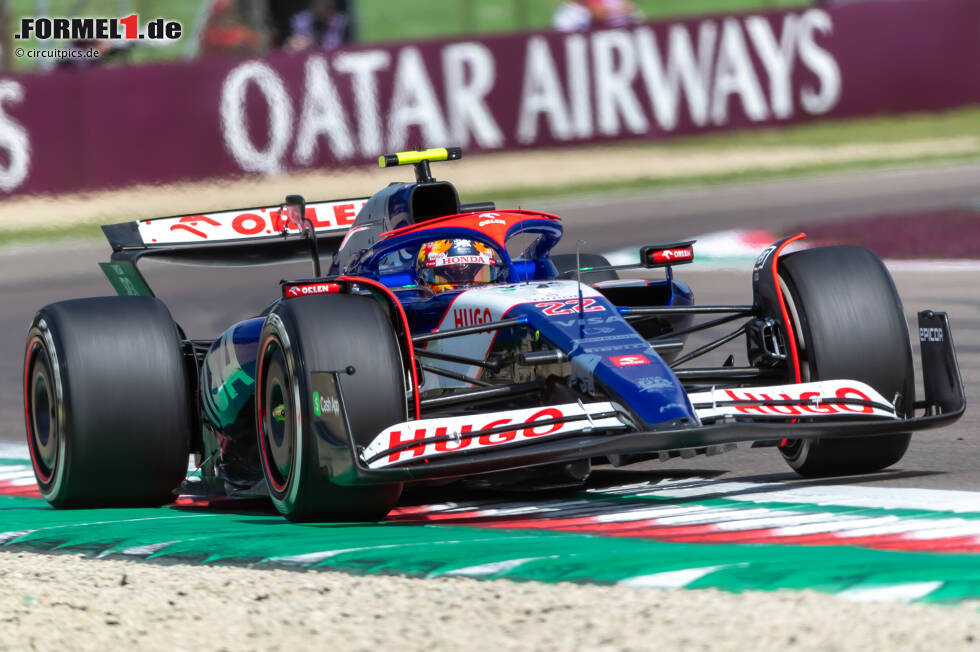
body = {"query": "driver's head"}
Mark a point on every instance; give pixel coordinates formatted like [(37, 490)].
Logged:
[(451, 264)]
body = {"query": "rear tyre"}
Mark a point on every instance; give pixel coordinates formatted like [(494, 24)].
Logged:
[(316, 334), (849, 323), (106, 402), (567, 263)]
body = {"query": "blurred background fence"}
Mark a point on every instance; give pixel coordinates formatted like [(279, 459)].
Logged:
[(257, 26), (293, 85)]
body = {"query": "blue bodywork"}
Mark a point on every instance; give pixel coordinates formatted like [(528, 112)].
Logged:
[(650, 390), (606, 354)]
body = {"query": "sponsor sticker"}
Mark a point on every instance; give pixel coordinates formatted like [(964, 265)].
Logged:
[(441, 260), (307, 289), (629, 360), (449, 435), (249, 223), (490, 218), (471, 317), (800, 400), (930, 335), (598, 330), (763, 256), (682, 254), (326, 405), (654, 384)]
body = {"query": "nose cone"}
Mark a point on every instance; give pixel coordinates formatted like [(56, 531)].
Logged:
[(610, 357)]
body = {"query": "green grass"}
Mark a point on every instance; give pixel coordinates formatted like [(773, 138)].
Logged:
[(386, 20), (85, 231), (878, 129)]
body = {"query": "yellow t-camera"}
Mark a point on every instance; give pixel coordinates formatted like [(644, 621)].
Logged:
[(415, 157)]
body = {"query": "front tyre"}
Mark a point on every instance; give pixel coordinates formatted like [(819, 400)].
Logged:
[(849, 323), (106, 402), (324, 333)]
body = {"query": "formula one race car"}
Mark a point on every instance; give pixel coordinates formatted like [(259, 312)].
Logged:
[(433, 349)]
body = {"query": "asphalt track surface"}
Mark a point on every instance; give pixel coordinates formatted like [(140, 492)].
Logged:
[(205, 300)]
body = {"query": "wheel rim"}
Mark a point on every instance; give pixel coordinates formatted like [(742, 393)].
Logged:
[(280, 444), (277, 416), (45, 435)]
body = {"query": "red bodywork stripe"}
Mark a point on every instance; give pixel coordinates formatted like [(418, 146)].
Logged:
[(408, 333), (790, 334), (441, 222)]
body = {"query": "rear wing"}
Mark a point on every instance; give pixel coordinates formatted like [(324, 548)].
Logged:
[(240, 226), (245, 236)]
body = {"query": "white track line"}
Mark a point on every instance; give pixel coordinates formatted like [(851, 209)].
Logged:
[(890, 593), (15, 451), (676, 579), (492, 568)]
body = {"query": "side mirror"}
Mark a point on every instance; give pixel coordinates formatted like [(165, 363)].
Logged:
[(294, 210)]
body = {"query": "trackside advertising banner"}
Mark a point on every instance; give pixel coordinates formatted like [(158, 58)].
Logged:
[(77, 130)]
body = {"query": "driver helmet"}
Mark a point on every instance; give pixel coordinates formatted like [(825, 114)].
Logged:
[(456, 263)]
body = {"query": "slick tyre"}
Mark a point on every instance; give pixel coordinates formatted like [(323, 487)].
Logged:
[(324, 333), (565, 263), (849, 323), (106, 402)]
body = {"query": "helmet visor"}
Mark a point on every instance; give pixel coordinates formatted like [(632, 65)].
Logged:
[(464, 273), (455, 263)]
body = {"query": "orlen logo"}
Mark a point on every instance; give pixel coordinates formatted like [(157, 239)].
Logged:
[(471, 317), (256, 223), (629, 360), (930, 335), (672, 255), (190, 223), (490, 218), (232, 225), (307, 289)]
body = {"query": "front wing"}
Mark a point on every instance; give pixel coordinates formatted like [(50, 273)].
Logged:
[(455, 446)]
